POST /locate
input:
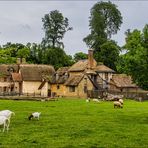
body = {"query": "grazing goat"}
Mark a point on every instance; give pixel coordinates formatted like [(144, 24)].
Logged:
[(7, 113), (117, 104), (34, 115), (5, 122)]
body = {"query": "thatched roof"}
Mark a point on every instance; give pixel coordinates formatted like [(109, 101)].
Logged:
[(5, 69), (103, 68), (16, 77), (59, 80), (122, 80), (32, 72), (60, 76), (74, 80), (81, 65), (61, 71)]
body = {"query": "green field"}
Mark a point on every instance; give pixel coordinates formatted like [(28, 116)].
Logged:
[(74, 123)]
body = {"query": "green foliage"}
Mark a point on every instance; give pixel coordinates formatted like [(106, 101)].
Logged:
[(74, 123), (57, 57), (135, 61), (105, 20), (55, 26), (80, 56), (108, 54)]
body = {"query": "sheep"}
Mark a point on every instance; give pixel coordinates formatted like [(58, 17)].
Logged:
[(121, 101), (117, 104), (5, 122), (34, 115), (95, 100), (7, 113)]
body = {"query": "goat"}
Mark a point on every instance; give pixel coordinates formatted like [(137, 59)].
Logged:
[(5, 122), (117, 104), (34, 115), (7, 113)]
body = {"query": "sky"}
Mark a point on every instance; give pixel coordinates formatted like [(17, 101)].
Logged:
[(21, 21)]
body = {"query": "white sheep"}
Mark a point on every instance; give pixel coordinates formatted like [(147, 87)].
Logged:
[(95, 100), (34, 115), (7, 113), (5, 122), (121, 101), (117, 104)]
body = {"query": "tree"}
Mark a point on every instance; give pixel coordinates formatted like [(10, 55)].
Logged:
[(135, 61), (55, 26), (80, 56), (109, 54), (105, 20), (57, 57)]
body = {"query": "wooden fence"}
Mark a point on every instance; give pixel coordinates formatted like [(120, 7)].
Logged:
[(141, 95)]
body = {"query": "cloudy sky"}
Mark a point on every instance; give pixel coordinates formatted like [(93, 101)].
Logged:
[(21, 21)]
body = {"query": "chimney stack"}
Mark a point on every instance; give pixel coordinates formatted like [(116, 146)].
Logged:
[(90, 59)]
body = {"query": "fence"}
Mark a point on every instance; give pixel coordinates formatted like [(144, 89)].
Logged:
[(139, 95)]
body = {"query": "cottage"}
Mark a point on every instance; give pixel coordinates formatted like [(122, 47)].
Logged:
[(83, 76), (25, 79)]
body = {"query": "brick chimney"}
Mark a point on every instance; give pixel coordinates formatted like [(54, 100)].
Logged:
[(90, 59)]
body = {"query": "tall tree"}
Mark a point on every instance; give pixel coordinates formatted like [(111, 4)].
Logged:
[(55, 26), (105, 20), (135, 61)]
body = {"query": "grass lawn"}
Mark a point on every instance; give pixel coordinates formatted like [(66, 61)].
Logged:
[(75, 123)]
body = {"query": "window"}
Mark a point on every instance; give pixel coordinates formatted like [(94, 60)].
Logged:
[(5, 79), (5, 89), (58, 87), (106, 76), (85, 89), (71, 88)]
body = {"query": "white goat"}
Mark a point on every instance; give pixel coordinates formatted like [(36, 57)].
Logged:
[(7, 113), (5, 122), (34, 115)]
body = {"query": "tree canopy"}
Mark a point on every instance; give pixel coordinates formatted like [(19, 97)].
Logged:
[(105, 20), (55, 26), (135, 61)]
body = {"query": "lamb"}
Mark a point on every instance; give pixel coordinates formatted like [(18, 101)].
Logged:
[(117, 104), (34, 115), (7, 113), (5, 122)]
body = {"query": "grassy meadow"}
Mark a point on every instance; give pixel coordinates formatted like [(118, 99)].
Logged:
[(73, 123)]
